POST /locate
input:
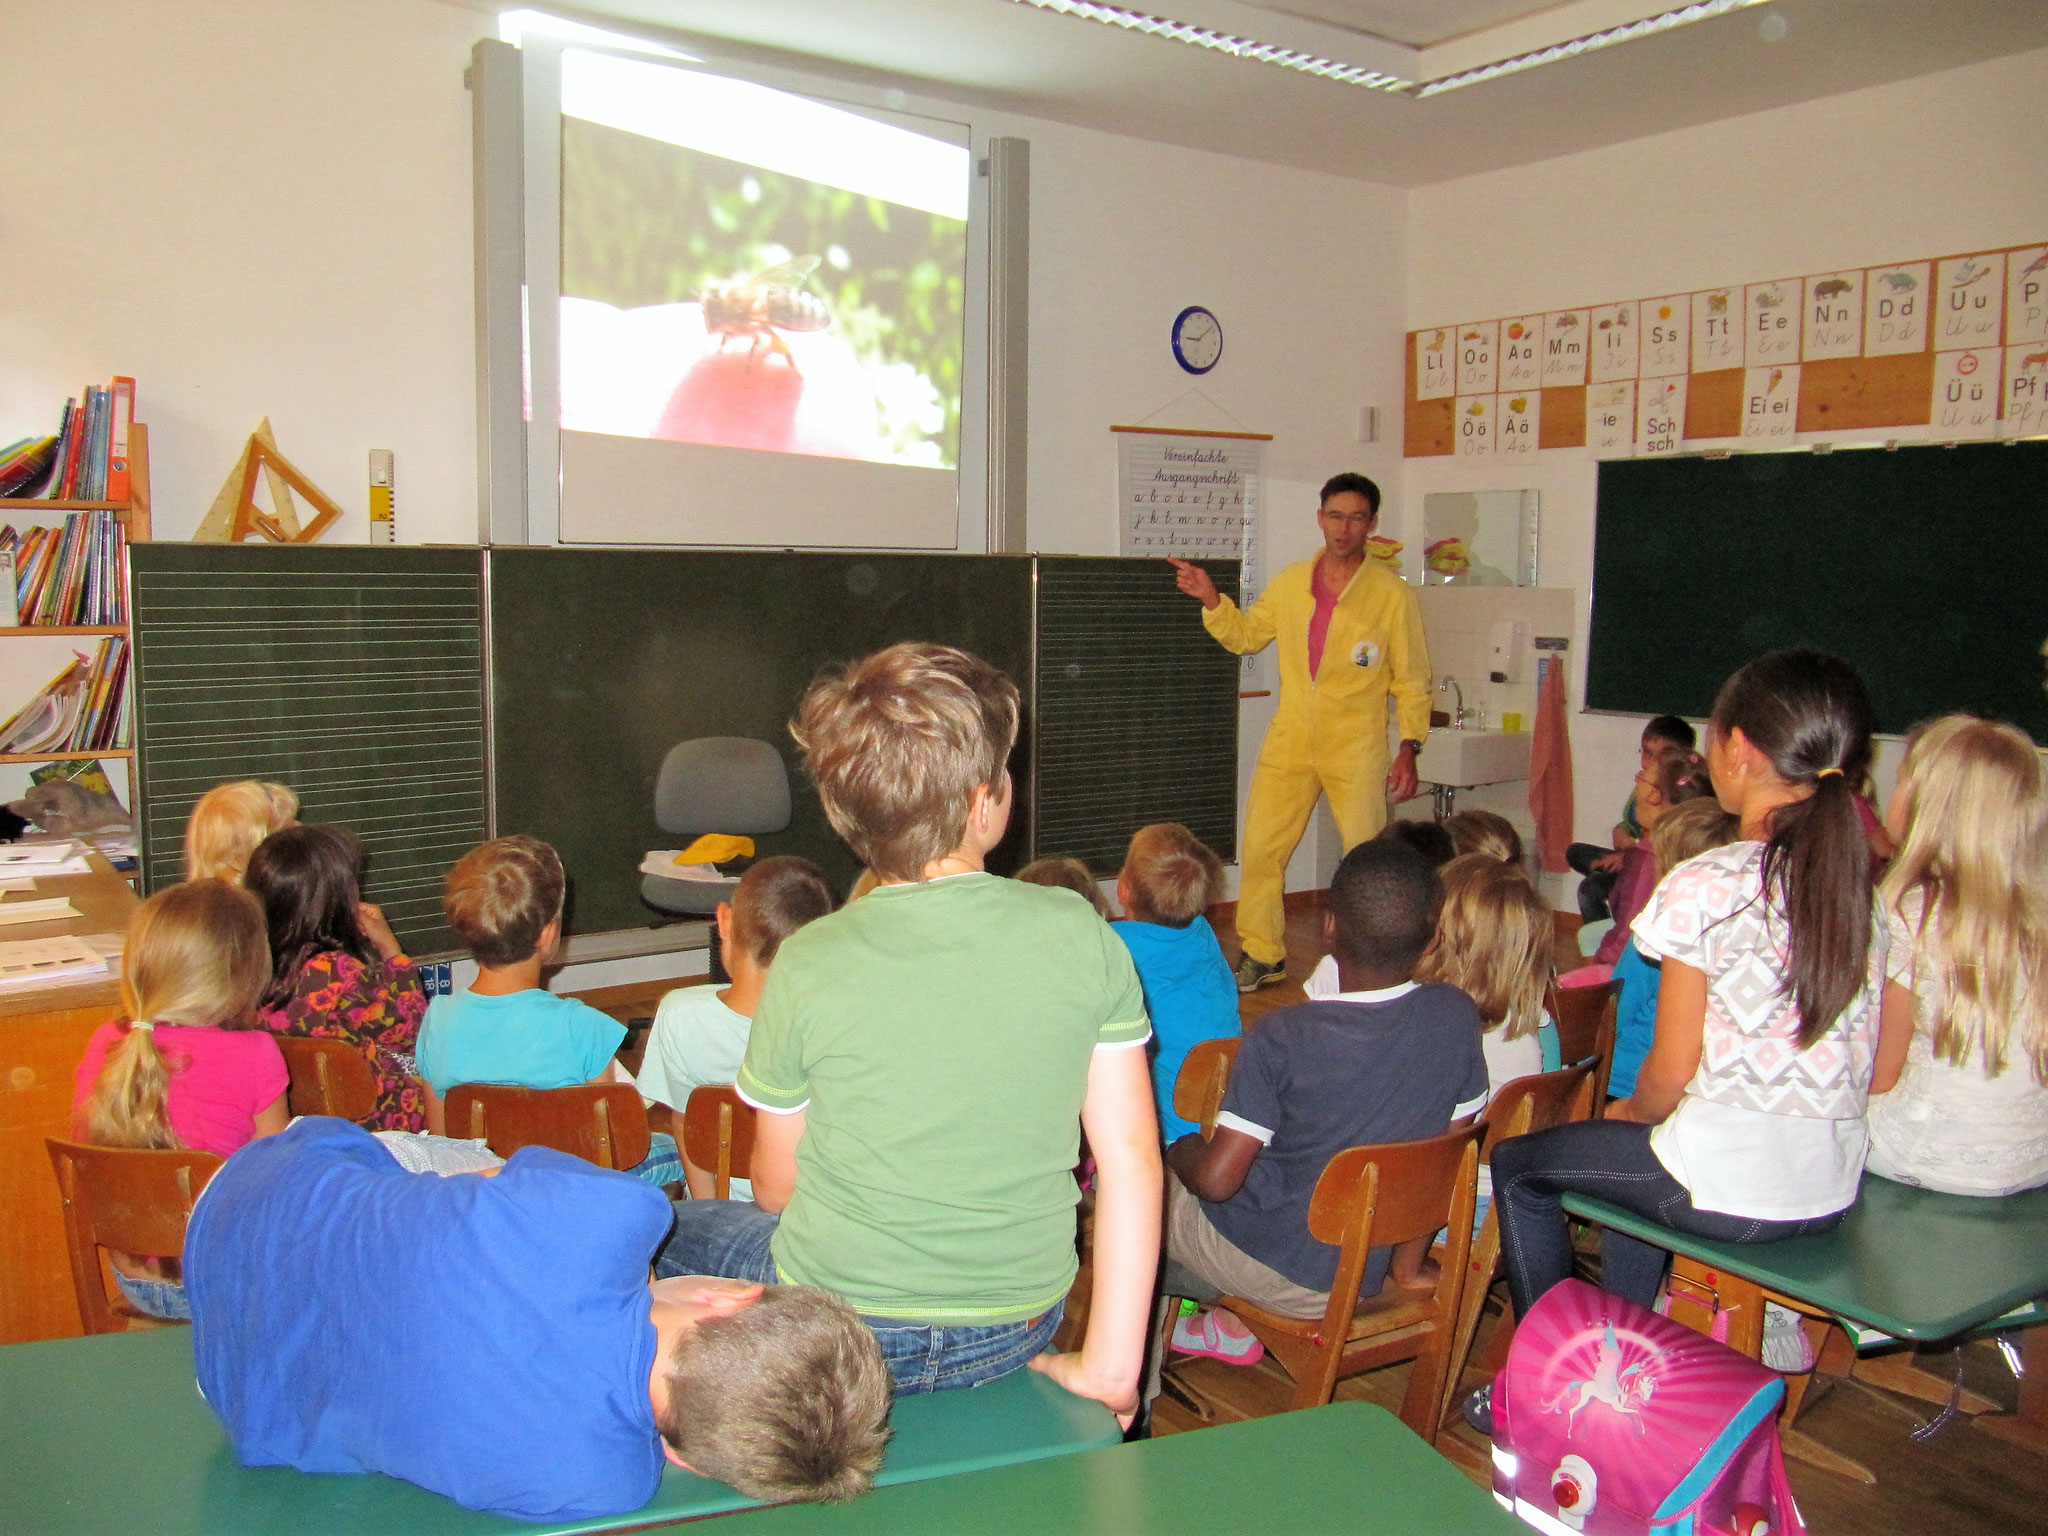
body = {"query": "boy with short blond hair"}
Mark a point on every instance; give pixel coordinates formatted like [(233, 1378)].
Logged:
[(935, 1048), (1170, 877)]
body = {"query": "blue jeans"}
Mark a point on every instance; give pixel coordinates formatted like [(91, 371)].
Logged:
[(1612, 1161), (159, 1298), (732, 1238)]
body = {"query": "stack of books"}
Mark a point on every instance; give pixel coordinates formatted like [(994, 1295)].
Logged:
[(84, 708), (68, 575), (88, 458)]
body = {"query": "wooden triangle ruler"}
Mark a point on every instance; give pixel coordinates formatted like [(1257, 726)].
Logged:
[(235, 515)]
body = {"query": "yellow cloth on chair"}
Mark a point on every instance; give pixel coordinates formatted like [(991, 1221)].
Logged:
[(716, 848)]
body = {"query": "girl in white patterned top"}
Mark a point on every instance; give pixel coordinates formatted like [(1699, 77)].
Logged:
[(1969, 924), (1746, 1123)]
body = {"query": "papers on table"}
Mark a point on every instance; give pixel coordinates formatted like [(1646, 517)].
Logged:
[(26, 884), (50, 909), (662, 862), (47, 963), (35, 860)]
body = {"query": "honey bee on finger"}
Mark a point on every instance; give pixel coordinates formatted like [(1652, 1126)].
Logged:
[(763, 306)]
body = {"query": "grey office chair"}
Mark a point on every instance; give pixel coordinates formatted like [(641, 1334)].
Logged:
[(733, 784)]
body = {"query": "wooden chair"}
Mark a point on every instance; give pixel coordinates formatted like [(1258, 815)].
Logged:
[(1585, 1031), (1369, 1197), (129, 1200), (329, 1077), (1204, 1074), (602, 1123), (1527, 1104), (718, 1135)]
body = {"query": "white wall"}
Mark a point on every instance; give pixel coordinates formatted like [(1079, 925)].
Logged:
[(1924, 167)]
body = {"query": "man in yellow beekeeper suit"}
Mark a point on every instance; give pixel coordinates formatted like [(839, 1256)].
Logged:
[(1350, 634)]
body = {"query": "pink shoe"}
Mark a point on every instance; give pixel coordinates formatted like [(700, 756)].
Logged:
[(1199, 1335)]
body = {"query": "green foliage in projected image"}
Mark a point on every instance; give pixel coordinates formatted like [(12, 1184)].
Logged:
[(644, 222)]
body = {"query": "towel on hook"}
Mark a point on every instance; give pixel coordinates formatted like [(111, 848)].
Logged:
[(1550, 770)]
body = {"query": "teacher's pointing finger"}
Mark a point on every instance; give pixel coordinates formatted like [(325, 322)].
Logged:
[(1194, 581)]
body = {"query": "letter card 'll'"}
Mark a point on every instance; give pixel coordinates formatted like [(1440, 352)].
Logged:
[(1521, 353), (2026, 296), (1475, 426), (1660, 417), (1477, 344), (1770, 322), (1436, 363), (1770, 403), (1966, 389), (1667, 336), (2025, 411), (1614, 343), (1895, 309), (1514, 422), (1611, 418), (1564, 348), (1834, 316), (1969, 301), (1716, 340)]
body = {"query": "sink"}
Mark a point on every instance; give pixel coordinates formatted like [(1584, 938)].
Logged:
[(1464, 758)]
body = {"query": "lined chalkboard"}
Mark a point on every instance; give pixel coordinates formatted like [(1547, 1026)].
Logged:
[(604, 659), (1926, 567), (1137, 710), (353, 675)]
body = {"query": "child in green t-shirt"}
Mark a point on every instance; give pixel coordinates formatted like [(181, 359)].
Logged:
[(926, 1057)]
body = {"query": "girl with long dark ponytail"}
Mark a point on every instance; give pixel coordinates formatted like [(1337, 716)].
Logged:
[(1747, 1119)]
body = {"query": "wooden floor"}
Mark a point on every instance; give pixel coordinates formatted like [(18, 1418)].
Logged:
[(1961, 1483)]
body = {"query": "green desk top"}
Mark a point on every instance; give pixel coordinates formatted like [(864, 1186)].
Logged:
[(109, 1434), (1917, 1264), (1348, 1467)]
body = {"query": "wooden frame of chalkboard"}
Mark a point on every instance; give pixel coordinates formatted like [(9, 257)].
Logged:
[(551, 682), (1925, 566)]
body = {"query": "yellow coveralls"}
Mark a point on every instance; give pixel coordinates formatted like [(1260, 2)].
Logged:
[(1330, 735)]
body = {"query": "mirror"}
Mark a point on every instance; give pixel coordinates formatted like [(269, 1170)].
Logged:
[(1479, 539)]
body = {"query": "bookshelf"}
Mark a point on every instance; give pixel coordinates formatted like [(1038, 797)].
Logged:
[(134, 516)]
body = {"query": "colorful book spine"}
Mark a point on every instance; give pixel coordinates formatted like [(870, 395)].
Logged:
[(118, 483), (56, 490)]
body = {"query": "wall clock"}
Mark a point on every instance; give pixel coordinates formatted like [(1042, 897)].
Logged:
[(1197, 339)]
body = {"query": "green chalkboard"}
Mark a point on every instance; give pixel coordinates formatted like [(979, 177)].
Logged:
[(1926, 567), (352, 675), (604, 659)]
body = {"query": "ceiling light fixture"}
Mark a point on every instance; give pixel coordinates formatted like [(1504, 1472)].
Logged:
[(1684, 16), (1224, 42)]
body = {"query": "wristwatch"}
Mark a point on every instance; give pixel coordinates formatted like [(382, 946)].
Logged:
[(1411, 743)]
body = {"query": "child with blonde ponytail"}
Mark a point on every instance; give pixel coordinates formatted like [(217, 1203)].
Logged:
[(1968, 911), (184, 1069)]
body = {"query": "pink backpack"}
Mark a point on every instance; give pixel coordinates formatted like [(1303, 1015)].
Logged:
[(1613, 1421)]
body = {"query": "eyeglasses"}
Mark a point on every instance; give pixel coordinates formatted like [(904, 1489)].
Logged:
[(1362, 519)]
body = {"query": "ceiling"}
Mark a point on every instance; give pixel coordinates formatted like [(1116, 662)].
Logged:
[(1006, 56)]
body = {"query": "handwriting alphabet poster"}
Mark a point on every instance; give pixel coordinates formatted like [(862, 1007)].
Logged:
[(1895, 310), (1716, 334), (1667, 336), (2026, 297), (1521, 353), (1770, 322), (1192, 497), (1833, 316)]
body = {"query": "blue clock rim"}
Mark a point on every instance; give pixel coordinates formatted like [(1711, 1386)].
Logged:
[(1179, 321)]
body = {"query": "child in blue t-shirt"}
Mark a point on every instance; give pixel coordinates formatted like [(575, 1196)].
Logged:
[(504, 900), (1169, 876)]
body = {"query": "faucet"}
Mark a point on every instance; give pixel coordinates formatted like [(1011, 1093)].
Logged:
[(1458, 716)]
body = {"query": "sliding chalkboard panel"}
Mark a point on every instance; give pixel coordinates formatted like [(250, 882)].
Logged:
[(352, 675), (604, 659), (1926, 567), (1137, 710)]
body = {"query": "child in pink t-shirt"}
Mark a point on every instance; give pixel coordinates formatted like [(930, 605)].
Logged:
[(183, 1069)]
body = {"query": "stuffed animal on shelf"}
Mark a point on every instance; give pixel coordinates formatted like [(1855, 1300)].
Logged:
[(65, 808)]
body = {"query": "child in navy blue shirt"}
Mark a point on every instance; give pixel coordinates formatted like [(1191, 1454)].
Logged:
[(1386, 1059), (1169, 876)]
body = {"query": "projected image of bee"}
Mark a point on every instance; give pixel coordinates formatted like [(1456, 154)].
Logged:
[(761, 307)]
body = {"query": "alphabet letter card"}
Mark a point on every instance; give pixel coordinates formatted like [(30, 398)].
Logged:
[(2026, 296), (1715, 315), (1966, 386), (1475, 426), (2026, 391), (1895, 310), (1771, 322), (1969, 302), (1521, 353), (1770, 403), (1834, 316), (1436, 367), (1667, 336), (1515, 422), (1611, 418), (1660, 417), (1614, 342), (1476, 343), (1564, 348)]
